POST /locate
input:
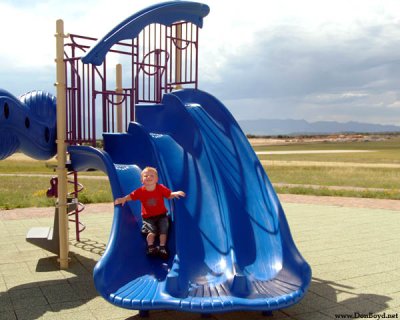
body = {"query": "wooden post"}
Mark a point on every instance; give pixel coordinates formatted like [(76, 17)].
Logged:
[(61, 146)]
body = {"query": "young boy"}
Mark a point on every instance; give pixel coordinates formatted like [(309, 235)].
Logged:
[(154, 212)]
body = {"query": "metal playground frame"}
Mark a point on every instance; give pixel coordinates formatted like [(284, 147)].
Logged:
[(101, 99)]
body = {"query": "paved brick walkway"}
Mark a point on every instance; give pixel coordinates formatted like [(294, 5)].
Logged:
[(354, 253)]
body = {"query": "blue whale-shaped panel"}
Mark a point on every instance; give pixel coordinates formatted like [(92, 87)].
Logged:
[(28, 124)]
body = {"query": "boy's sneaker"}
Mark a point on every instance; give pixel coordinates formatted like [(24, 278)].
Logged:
[(151, 250), (163, 253)]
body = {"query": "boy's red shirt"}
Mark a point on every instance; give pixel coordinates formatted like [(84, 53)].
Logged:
[(152, 201)]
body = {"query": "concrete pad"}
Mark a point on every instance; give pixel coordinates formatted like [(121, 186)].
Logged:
[(353, 251)]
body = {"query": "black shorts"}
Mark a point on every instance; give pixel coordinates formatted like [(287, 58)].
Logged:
[(157, 225)]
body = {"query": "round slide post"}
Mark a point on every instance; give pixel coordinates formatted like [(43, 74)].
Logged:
[(178, 56), (119, 91), (61, 146)]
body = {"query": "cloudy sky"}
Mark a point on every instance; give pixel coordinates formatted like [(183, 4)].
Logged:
[(311, 59)]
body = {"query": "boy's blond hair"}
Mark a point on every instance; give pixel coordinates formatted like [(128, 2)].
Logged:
[(150, 169)]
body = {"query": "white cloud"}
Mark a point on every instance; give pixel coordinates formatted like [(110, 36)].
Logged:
[(395, 105), (24, 38), (338, 97), (296, 59)]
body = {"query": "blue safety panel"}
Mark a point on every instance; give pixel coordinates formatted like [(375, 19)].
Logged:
[(230, 244), (164, 13), (28, 124)]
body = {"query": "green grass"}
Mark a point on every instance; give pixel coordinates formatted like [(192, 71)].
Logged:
[(385, 178), (13, 166), (21, 164), (387, 151), (20, 192), (95, 191), (23, 192), (324, 191), (390, 143), (378, 156)]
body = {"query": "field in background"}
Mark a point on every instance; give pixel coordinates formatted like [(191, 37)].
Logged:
[(373, 174)]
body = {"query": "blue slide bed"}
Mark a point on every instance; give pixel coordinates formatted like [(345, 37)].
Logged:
[(230, 244)]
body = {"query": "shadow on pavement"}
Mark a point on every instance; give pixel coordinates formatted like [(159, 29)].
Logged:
[(32, 300)]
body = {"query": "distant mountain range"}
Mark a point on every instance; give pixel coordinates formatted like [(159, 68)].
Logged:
[(294, 127)]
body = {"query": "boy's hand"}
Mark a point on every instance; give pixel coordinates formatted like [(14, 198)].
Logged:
[(177, 195), (120, 201)]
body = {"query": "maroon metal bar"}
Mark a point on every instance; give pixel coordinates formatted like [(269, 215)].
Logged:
[(196, 45), (152, 73), (79, 226), (152, 58)]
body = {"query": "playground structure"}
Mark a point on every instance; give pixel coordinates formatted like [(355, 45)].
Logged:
[(230, 244)]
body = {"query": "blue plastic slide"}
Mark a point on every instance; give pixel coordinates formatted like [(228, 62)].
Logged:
[(28, 124), (230, 244)]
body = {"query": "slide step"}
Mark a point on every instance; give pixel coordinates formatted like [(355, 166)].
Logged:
[(40, 233), (46, 238)]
